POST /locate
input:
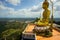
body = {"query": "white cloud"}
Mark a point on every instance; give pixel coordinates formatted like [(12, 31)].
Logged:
[(57, 14), (14, 2), (2, 7), (30, 12), (54, 0), (57, 3), (26, 13)]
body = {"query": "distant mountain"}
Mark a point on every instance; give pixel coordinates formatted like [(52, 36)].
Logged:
[(23, 19)]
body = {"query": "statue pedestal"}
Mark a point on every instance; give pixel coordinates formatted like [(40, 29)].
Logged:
[(41, 29)]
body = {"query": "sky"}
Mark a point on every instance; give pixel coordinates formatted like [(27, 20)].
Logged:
[(26, 8)]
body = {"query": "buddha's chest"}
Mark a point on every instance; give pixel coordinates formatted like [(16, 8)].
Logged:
[(46, 14)]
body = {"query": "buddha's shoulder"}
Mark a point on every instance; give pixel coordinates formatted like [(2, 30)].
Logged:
[(48, 10)]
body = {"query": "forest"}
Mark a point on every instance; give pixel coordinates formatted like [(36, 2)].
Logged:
[(11, 30)]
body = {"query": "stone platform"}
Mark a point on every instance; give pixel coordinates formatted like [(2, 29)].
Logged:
[(30, 27)]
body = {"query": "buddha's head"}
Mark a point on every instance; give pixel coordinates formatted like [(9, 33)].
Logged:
[(45, 4)]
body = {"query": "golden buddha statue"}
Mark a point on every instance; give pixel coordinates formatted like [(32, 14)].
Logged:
[(46, 15), (42, 26)]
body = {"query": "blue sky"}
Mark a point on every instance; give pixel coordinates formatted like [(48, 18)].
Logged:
[(25, 8)]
